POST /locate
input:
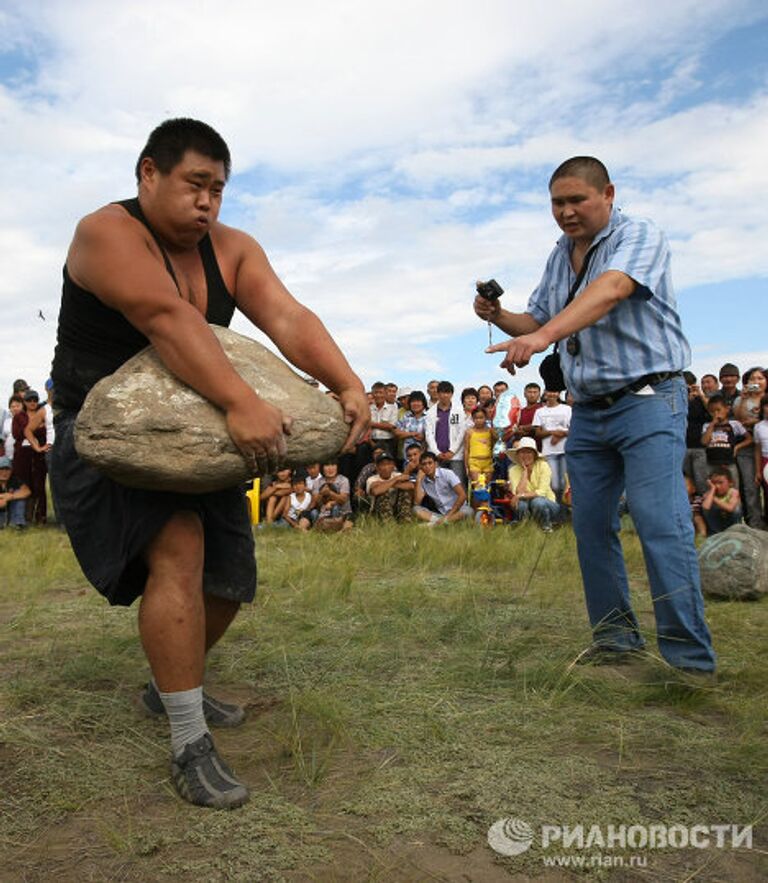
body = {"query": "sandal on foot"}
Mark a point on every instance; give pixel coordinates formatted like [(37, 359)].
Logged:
[(203, 778), (217, 713)]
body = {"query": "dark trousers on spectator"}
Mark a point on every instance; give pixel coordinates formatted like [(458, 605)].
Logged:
[(750, 492)]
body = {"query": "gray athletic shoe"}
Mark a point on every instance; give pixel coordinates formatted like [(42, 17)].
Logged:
[(201, 777), (217, 713)]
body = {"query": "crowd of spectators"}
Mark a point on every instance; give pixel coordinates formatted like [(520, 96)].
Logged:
[(436, 458), (485, 455), (26, 438)]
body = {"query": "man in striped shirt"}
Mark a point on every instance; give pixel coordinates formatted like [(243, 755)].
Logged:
[(622, 355)]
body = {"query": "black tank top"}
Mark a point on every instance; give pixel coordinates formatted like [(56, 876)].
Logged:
[(93, 340)]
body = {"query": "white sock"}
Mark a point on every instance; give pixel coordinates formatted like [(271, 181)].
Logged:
[(185, 715)]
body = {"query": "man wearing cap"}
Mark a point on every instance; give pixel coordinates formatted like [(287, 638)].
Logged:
[(14, 494), (530, 484), (390, 492), (161, 269), (607, 296), (729, 384)]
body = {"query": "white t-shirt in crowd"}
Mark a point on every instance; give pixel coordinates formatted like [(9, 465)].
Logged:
[(297, 507), (760, 435), (549, 419)]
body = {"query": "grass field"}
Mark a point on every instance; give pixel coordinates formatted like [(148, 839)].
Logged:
[(406, 688)]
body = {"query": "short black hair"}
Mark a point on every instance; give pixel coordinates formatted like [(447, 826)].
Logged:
[(169, 142), (689, 377), (588, 168), (716, 398), (445, 386), (417, 396), (427, 455), (378, 385), (723, 471), (532, 386), (501, 383), (713, 376), (469, 391)]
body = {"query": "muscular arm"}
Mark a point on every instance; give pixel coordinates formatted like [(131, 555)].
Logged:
[(112, 256)]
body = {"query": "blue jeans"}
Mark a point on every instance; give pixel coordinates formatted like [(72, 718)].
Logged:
[(541, 510), (14, 514), (638, 444), (557, 465)]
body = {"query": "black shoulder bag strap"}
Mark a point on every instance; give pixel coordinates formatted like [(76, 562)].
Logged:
[(550, 369), (577, 282)]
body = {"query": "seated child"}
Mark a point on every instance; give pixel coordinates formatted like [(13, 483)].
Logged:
[(721, 504), (274, 494), (296, 506)]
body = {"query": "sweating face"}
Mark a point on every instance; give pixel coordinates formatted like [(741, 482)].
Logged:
[(186, 202)]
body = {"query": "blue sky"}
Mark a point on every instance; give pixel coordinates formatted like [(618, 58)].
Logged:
[(387, 155)]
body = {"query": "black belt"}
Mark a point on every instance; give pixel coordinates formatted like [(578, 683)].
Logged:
[(606, 401)]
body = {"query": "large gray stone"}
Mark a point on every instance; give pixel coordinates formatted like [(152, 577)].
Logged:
[(734, 564), (145, 428)]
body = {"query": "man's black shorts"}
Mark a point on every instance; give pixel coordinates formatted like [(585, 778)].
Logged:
[(110, 525)]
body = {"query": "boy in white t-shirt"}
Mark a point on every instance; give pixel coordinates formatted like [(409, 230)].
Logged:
[(551, 423), (298, 503)]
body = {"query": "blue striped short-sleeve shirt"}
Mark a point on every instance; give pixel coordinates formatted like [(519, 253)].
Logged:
[(642, 333)]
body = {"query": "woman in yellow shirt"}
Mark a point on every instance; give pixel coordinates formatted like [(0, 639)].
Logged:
[(530, 485)]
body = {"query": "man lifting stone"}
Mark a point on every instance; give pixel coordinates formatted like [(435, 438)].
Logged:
[(158, 269)]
